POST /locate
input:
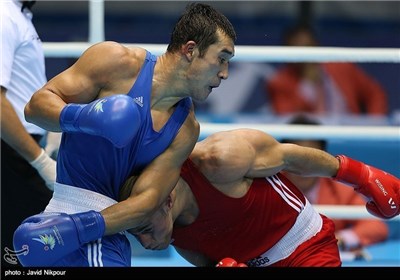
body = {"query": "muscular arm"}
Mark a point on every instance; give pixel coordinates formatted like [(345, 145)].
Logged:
[(100, 71), (274, 156), (153, 185), (229, 156), (14, 133)]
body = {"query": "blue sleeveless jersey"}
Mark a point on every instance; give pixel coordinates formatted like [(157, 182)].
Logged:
[(94, 163)]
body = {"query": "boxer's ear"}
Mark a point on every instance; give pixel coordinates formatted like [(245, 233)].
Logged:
[(188, 49)]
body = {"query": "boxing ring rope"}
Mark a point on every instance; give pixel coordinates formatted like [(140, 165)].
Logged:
[(347, 211), (364, 133), (268, 54), (255, 53)]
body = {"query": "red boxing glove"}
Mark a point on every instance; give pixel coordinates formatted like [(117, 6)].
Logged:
[(229, 262), (381, 188)]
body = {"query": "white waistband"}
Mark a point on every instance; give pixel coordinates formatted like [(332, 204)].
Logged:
[(71, 200), (308, 224)]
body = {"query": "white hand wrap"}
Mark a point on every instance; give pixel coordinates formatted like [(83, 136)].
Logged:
[(46, 168), (53, 144)]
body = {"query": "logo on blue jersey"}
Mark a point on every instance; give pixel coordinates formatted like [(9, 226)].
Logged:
[(139, 100)]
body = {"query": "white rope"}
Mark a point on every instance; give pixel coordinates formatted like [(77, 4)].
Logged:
[(96, 21), (364, 133), (347, 212), (256, 53)]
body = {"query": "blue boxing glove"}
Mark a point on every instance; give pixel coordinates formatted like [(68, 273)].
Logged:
[(115, 118), (48, 237)]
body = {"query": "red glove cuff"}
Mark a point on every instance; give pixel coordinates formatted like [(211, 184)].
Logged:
[(350, 170)]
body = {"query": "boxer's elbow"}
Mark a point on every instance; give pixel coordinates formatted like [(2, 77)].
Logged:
[(28, 112), (33, 107), (43, 110)]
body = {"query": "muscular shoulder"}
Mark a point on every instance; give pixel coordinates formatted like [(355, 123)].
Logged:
[(112, 66), (228, 153), (116, 57), (237, 141)]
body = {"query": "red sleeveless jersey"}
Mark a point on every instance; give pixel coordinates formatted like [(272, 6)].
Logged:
[(241, 228)]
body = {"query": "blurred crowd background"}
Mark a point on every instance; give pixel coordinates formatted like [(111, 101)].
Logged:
[(369, 24), (244, 97)]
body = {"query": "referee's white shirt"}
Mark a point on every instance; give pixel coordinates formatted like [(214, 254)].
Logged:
[(22, 58)]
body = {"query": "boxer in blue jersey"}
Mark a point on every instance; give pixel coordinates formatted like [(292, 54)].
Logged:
[(122, 112)]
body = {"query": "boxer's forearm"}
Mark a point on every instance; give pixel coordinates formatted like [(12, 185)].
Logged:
[(306, 161), (132, 213)]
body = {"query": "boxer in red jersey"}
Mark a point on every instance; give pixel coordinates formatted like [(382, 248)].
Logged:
[(232, 201)]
